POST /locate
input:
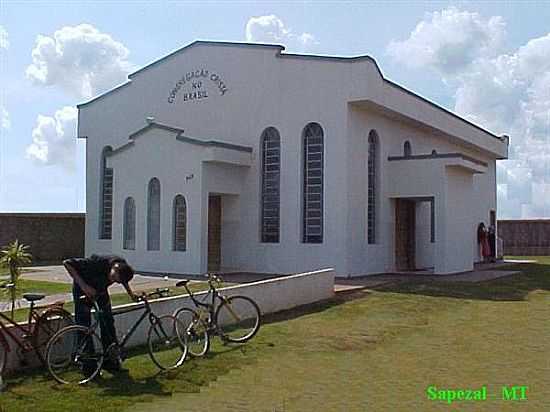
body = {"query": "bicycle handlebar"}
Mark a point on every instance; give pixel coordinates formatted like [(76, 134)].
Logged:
[(211, 279), (158, 292)]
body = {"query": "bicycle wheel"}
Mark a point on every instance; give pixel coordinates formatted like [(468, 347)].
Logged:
[(74, 355), (47, 325), (238, 318), (195, 329), (167, 349)]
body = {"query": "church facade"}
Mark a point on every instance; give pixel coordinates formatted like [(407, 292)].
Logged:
[(240, 157)]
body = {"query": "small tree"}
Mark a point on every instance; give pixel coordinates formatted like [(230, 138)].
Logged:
[(13, 257)]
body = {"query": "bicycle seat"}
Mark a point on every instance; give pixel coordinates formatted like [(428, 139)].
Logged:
[(182, 283), (32, 297)]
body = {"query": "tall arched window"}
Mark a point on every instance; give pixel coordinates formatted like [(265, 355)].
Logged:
[(153, 215), (179, 224), (407, 151), (313, 173), (271, 185), (105, 196), (129, 224), (372, 173)]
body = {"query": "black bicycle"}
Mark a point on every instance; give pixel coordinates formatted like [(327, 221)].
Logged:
[(234, 318), (75, 354)]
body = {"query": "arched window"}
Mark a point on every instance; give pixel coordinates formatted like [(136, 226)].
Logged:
[(129, 224), (372, 173), (313, 172), (105, 196), (153, 215), (407, 151), (271, 185), (179, 224)]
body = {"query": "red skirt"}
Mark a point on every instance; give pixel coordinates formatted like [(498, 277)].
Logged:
[(485, 248)]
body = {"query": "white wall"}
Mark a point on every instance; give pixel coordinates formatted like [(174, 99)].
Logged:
[(424, 247), (272, 295), (413, 178), (171, 162)]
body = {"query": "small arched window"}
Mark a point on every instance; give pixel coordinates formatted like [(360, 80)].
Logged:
[(179, 239), (106, 196), (129, 224), (407, 151), (153, 215), (372, 173), (271, 185), (313, 174)]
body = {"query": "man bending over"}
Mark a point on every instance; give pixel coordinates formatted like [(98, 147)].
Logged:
[(91, 277)]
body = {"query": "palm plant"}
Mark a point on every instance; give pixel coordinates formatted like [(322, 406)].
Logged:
[(13, 257)]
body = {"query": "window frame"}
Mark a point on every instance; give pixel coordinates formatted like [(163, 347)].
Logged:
[(270, 193), (313, 181), (373, 149), (176, 216), (129, 224), (153, 243), (106, 196)]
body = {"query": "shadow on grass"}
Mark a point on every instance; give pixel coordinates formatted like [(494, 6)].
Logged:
[(145, 382), (533, 276), (122, 384)]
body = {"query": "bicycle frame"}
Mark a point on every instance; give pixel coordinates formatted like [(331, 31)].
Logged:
[(147, 312), (25, 330), (211, 307)]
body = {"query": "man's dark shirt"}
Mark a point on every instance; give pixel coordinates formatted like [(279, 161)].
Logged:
[(95, 270)]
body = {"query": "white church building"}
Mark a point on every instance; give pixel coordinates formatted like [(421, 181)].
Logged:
[(240, 157)]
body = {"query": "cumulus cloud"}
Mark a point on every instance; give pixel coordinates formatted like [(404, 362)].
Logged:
[(80, 59), (271, 29), (449, 40), (5, 122), (54, 139), (503, 92), (4, 42)]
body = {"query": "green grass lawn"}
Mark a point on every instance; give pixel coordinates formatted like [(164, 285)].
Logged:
[(368, 351), (37, 286)]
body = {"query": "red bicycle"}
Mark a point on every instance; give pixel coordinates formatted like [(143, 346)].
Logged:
[(43, 323)]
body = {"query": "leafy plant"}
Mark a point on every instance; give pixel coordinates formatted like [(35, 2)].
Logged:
[(14, 257)]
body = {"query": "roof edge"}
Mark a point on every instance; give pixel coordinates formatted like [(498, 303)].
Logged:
[(437, 106), (116, 88), (155, 125), (206, 42), (180, 137)]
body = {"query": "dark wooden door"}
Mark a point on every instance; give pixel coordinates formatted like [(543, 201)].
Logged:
[(405, 234), (214, 232)]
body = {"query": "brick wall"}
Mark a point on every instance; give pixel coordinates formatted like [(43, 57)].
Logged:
[(52, 237), (525, 237)]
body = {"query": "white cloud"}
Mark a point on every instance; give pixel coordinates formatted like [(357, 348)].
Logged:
[(80, 59), (449, 41), (5, 122), (271, 29), (503, 92), (54, 139), (4, 42)]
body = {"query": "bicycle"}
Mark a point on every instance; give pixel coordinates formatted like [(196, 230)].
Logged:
[(42, 324), (234, 319), (75, 354)]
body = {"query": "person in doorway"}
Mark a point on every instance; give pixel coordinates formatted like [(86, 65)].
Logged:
[(492, 243), (483, 242), (92, 277)]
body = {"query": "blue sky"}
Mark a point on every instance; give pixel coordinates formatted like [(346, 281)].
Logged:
[(489, 61)]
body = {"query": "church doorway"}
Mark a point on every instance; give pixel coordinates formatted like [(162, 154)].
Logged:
[(405, 234), (214, 232)]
